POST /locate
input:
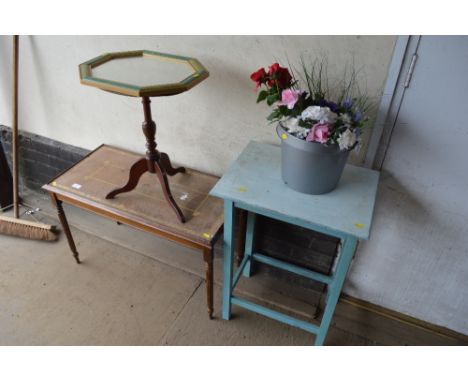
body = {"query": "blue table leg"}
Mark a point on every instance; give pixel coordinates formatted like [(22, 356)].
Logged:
[(228, 261), (334, 289), (249, 238)]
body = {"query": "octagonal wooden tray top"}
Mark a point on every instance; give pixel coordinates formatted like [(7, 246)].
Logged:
[(142, 73)]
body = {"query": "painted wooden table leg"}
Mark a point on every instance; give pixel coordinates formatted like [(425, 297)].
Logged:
[(228, 261), (335, 287), (249, 239), (208, 257)]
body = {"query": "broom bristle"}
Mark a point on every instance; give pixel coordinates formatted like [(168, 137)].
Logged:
[(26, 229)]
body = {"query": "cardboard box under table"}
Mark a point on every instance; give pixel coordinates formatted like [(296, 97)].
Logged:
[(87, 183)]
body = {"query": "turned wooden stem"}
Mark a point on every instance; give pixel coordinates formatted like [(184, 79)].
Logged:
[(149, 129), (154, 162)]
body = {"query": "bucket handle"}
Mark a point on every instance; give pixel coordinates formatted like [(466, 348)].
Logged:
[(280, 130)]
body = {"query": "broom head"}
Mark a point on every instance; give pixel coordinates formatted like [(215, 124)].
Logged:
[(27, 229)]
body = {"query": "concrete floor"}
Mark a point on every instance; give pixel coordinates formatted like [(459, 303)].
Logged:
[(118, 297), (137, 289), (121, 296)]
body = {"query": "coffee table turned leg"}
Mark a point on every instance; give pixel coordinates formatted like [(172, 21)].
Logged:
[(208, 257), (66, 227), (241, 236)]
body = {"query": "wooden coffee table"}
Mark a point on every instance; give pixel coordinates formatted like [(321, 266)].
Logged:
[(87, 183)]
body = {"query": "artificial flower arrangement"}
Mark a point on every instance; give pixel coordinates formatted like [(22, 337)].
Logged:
[(312, 115)]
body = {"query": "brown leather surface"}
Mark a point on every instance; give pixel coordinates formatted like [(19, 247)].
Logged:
[(107, 168)]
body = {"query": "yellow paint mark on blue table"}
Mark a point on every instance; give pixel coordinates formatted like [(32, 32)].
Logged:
[(241, 189), (359, 225)]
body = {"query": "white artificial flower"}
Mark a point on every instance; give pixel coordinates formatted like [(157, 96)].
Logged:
[(347, 139), (292, 126), (318, 113), (302, 133), (346, 118)]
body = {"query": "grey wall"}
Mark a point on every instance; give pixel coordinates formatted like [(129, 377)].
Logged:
[(205, 128), (416, 260)]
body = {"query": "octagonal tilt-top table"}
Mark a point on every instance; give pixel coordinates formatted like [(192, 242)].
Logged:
[(145, 74), (92, 183)]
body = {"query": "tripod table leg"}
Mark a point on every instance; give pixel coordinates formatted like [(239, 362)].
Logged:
[(136, 171), (166, 164), (167, 191)]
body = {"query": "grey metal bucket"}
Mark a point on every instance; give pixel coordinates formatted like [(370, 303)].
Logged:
[(310, 167)]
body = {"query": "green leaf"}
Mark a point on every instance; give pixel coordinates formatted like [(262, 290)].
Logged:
[(262, 95), (275, 114), (284, 110), (271, 99)]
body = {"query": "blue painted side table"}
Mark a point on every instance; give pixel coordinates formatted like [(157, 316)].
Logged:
[(253, 183)]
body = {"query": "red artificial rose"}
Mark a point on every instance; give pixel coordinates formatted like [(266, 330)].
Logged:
[(274, 68), (259, 77), (279, 75)]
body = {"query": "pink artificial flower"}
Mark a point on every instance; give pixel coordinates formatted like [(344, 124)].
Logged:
[(289, 97), (319, 133)]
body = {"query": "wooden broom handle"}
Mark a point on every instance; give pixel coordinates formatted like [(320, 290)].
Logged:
[(14, 138)]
